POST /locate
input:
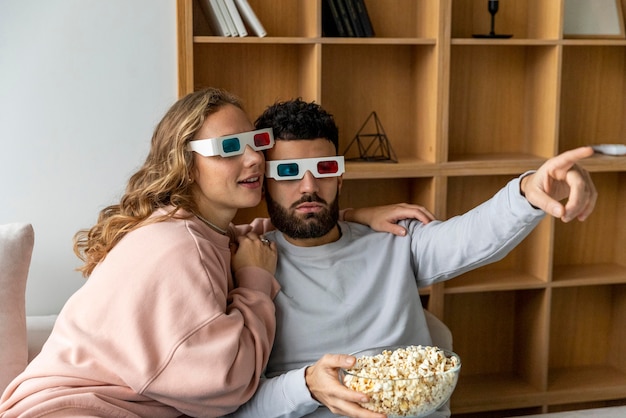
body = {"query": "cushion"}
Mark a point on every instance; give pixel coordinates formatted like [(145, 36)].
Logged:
[(16, 248)]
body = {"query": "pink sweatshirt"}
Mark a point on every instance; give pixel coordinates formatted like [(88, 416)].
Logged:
[(158, 330)]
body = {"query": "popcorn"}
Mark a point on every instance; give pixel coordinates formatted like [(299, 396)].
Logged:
[(411, 381)]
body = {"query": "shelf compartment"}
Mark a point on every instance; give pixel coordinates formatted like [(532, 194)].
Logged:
[(405, 167), (492, 393), (526, 266), (404, 99), (586, 405), (404, 18), (373, 192), (593, 96), (503, 100), (594, 249), (490, 164), (587, 342), (604, 163), (299, 23), (534, 19), (501, 413), (503, 360), (272, 71)]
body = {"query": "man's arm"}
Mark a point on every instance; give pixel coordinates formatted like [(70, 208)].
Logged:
[(283, 396)]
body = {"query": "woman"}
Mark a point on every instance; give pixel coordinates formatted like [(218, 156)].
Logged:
[(161, 328)]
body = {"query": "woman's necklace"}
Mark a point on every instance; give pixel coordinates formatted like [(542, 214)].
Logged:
[(212, 225)]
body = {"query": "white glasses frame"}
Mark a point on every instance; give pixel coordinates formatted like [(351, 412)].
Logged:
[(211, 147), (272, 168)]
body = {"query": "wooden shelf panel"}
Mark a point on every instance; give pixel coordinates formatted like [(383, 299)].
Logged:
[(491, 392), (592, 82), (586, 384), (601, 239), (505, 42), (493, 280), (483, 117), (506, 391), (385, 191), (245, 67), (604, 163), (405, 18), (490, 164), (504, 344), (471, 165), (532, 19), (586, 327), (409, 124), (589, 274), (252, 40), (405, 167)]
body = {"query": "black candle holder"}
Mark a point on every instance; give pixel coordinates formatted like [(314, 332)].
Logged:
[(492, 7)]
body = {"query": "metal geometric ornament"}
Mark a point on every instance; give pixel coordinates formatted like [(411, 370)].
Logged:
[(372, 146)]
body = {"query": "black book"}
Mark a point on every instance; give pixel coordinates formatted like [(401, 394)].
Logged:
[(354, 18), (364, 18), (332, 26), (345, 17)]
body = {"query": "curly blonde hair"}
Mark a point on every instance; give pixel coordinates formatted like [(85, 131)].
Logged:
[(164, 178)]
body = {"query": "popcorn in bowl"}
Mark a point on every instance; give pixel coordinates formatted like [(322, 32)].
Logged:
[(411, 381)]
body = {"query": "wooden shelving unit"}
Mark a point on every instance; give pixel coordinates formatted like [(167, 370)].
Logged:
[(542, 330)]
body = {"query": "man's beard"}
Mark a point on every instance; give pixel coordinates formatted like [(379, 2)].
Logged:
[(313, 225)]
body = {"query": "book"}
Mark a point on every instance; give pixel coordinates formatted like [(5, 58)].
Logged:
[(345, 17), (354, 18), (364, 17), (250, 18), (229, 20), (211, 10), (234, 14), (332, 25)]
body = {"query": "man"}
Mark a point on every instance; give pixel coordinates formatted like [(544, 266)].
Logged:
[(345, 287)]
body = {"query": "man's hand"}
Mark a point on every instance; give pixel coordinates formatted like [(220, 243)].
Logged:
[(385, 218), (322, 379), (561, 178)]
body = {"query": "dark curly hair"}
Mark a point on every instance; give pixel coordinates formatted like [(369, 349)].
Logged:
[(297, 119)]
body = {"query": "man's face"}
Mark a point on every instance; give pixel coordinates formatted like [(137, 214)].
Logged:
[(307, 208)]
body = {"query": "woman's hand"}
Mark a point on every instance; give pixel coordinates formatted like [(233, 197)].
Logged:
[(385, 218), (252, 250)]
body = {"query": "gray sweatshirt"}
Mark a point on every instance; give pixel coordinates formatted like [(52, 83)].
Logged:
[(362, 291)]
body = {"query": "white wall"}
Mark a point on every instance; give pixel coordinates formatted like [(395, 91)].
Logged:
[(82, 85)]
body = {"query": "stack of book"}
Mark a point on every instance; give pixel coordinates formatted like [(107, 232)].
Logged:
[(232, 18), (346, 18)]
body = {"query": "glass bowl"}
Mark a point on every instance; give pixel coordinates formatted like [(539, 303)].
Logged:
[(404, 381)]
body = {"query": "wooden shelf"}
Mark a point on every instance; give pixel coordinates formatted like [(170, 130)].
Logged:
[(541, 330), (586, 384), (499, 391)]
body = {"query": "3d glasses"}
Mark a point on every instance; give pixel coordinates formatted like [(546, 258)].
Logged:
[(295, 169), (235, 144)]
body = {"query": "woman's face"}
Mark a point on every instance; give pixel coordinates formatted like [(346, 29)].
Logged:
[(224, 184)]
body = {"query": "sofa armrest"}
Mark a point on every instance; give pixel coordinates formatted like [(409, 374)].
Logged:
[(38, 329)]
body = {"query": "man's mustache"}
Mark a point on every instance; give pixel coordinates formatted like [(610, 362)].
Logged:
[(309, 198)]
